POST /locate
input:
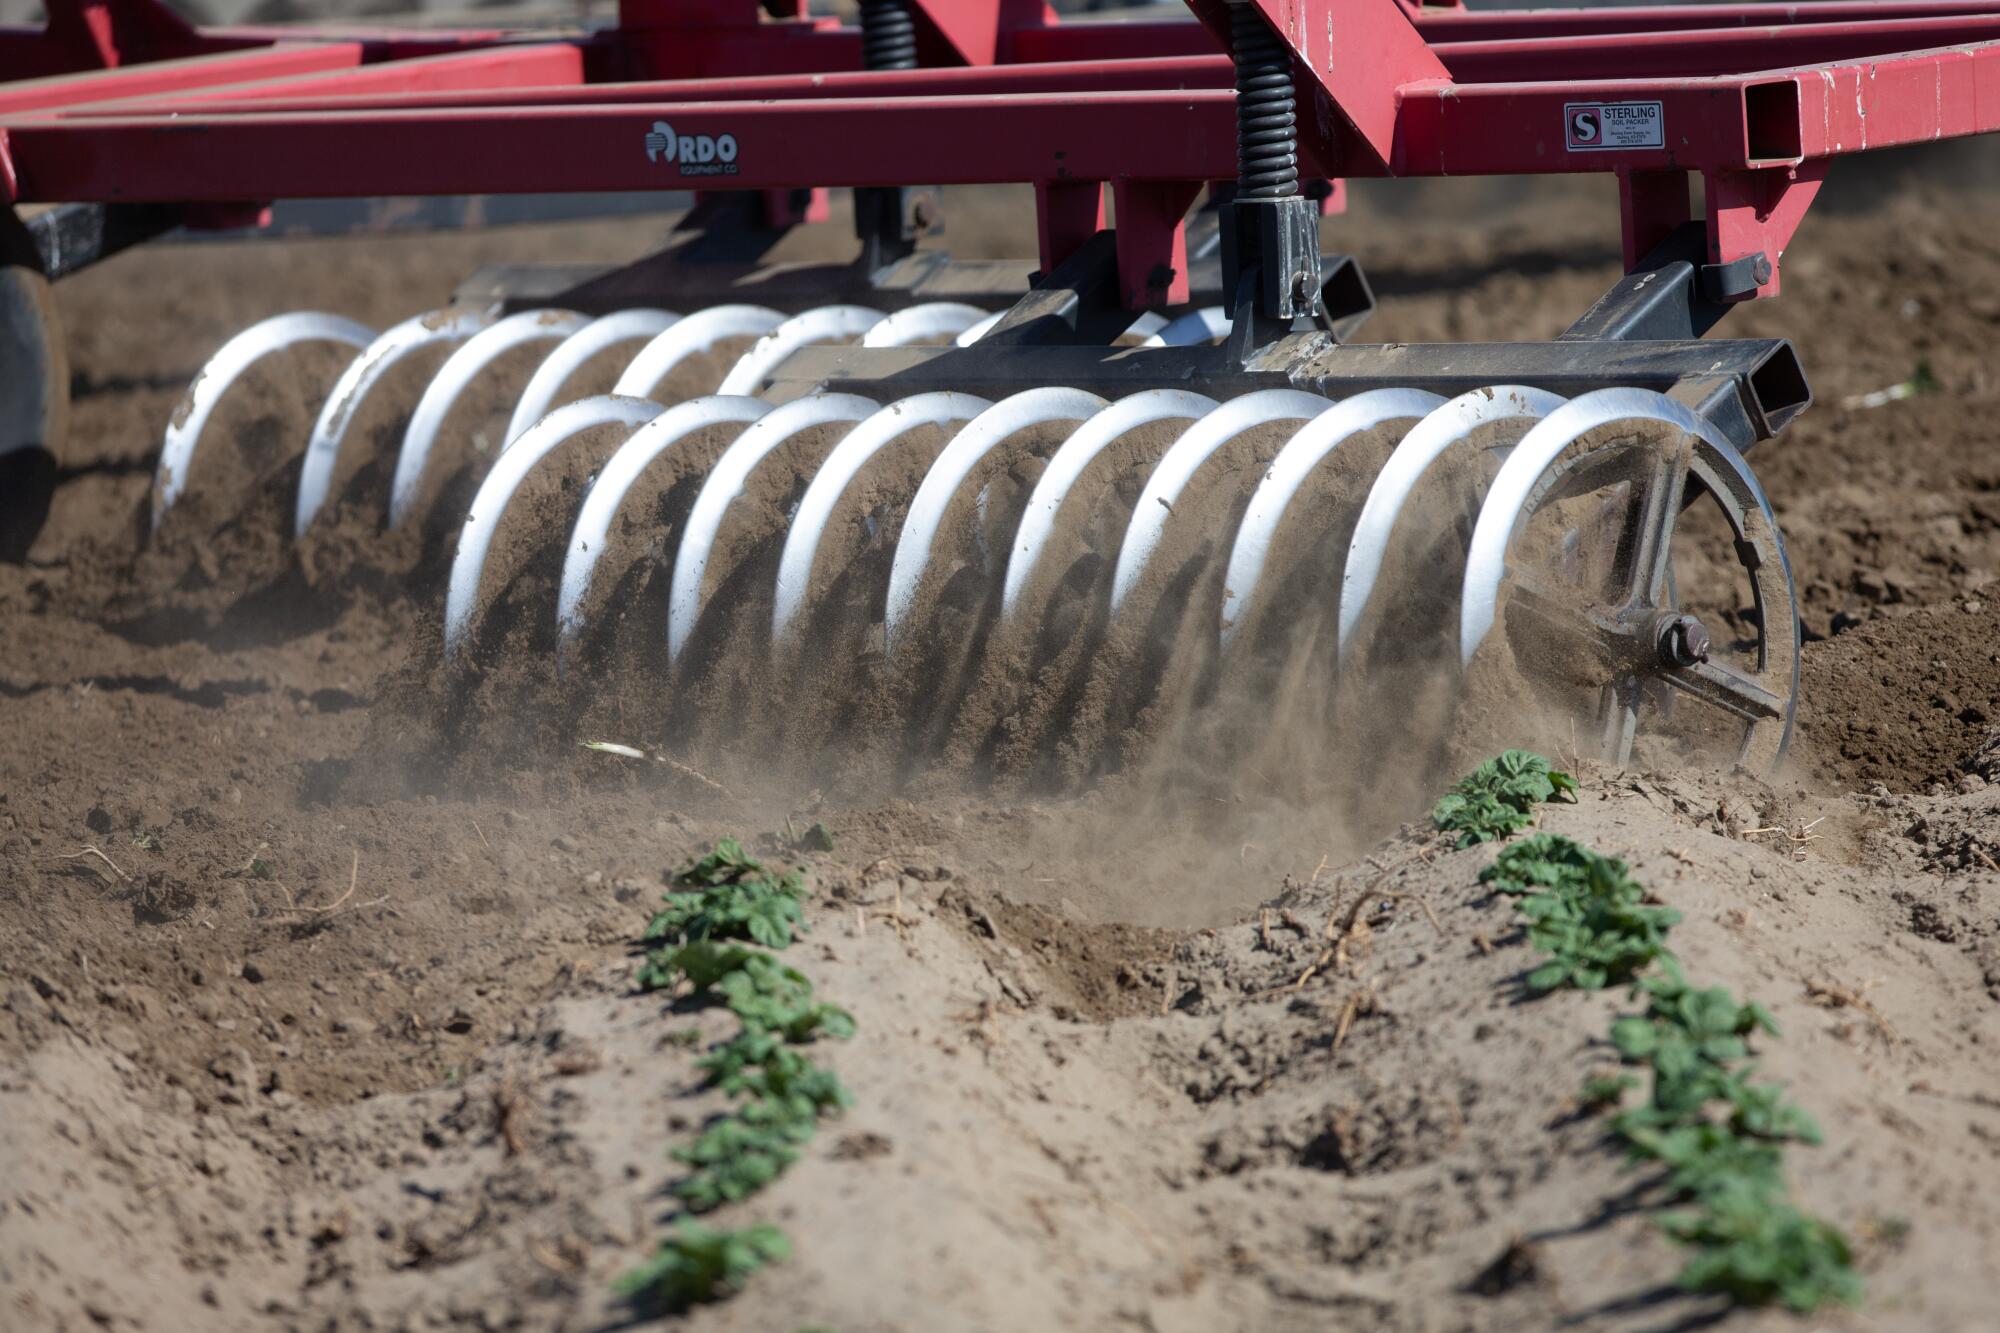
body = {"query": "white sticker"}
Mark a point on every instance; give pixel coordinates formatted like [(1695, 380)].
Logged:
[(1594, 126), (695, 154)]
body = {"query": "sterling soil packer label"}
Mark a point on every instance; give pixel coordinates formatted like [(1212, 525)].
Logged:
[(1593, 126)]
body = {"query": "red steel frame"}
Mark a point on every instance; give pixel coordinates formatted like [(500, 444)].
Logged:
[(118, 101)]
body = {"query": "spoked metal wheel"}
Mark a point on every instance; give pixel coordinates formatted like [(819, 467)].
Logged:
[(1635, 574)]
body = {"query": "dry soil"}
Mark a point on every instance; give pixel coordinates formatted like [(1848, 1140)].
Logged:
[(305, 1023)]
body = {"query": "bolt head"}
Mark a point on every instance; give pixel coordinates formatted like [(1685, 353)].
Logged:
[(1684, 641)]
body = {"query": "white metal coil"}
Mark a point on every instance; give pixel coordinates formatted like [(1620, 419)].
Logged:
[(350, 392), (453, 378), (220, 374), (569, 356)]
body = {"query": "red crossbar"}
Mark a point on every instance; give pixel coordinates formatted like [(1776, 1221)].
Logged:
[(502, 150), (168, 76), (1681, 54), (1100, 40), (550, 70), (1177, 73), (1459, 25)]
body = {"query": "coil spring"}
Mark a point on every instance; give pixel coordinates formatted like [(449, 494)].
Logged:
[(1267, 139), (888, 35)]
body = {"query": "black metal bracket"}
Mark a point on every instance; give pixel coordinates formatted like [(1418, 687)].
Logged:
[(1270, 255), (1273, 245), (1673, 293), (1078, 302), (888, 220), (71, 237), (1075, 303), (726, 228), (1738, 280), (1663, 297)]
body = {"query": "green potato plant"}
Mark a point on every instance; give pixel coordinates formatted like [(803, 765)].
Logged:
[(763, 911), (1498, 798), (1719, 1136), (1756, 1252), (1584, 910), (729, 895), (758, 1063), (722, 906), (700, 963), (699, 1264), (766, 994), (739, 1154)]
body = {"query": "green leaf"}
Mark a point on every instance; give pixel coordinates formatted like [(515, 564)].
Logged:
[(1548, 976), (760, 1063), (1634, 1037)]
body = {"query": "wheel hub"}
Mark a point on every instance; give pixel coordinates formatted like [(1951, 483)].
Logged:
[(1683, 641)]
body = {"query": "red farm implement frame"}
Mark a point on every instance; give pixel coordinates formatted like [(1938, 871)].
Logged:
[(116, 101)]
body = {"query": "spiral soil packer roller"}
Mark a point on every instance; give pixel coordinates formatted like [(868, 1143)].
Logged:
[(1154, 450)]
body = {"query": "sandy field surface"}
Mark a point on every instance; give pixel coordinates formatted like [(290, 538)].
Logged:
[(317, 1006)]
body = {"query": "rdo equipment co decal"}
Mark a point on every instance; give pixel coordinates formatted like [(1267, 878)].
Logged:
[(695, 154)]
